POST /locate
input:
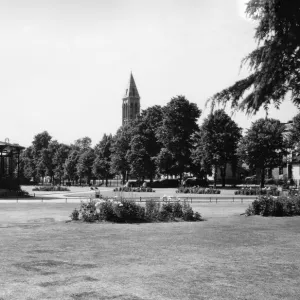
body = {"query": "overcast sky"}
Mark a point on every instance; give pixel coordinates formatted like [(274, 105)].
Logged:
[(65, 64)]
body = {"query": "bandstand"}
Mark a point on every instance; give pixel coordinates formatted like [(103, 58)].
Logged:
[(9, 163)]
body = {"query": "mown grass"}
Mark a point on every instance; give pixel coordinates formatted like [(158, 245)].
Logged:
[(234, 257)]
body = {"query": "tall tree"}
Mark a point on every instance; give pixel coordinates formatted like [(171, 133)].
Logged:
[(275, 63), (70, 170), (119, 149), (144, 145), (59, 158), (138, 158), (40, 155), (101, 164), (85, 165), (217, 143), (27, 164), (263, 146), (175, 133)]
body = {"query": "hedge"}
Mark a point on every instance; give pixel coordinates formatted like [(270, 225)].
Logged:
[(51, 188), (258, 191), (196, 190), (131, 189)]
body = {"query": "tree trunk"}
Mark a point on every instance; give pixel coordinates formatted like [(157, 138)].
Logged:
[(215, 177), (262, 178), (106, 181), (123, 177), (223, 175)]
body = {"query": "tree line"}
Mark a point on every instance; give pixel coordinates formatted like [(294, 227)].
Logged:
[(162, 141)]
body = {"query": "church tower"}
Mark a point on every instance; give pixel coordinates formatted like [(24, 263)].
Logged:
[(131, 102)]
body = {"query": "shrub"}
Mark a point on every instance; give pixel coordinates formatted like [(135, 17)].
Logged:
[(272, 206), (197, 217), (187, 212), (75, 215), (129, 211), (177, 210), (106, 211), (166, 212), (152, 210), (88, 211)]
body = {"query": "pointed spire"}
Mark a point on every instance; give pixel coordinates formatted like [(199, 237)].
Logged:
[(131, 90)]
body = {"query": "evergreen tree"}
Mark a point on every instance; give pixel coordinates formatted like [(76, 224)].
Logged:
[(275, 63)]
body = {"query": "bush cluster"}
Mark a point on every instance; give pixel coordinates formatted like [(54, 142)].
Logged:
[(197, 190), (131, 189), (271, 191), (51, 188), (129, 212), (10, 184), (275, 206), (13, 194)]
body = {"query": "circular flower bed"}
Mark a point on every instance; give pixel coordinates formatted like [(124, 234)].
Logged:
[(129, 211), (197, 190)]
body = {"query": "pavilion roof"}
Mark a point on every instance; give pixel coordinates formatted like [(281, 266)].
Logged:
[(5, 146)]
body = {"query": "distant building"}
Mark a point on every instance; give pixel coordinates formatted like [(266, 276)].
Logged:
[(131, 102), (290, 168)]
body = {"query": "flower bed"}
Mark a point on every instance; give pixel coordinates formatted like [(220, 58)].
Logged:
[(197, 190), (258, 191), (131, 189), (275, 206), (51, 188), (129, 211)]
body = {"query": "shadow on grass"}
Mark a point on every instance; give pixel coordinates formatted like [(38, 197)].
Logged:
[(69, 281), (94, 295), (42, 266)]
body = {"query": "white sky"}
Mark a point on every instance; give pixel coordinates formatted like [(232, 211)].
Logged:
[(65, 63)]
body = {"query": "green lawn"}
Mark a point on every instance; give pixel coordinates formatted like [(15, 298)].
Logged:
[(229, 256)]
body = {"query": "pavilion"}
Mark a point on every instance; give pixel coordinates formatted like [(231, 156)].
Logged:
[(9, 164)]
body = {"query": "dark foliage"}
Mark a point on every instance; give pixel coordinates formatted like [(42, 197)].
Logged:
[(275, 63), (275, 206)]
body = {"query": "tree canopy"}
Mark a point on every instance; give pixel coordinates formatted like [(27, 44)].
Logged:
[(175, 134), (274, 64), (101, 165), (216, 143), (263, 146)]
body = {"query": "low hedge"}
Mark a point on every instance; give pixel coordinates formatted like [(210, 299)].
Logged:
[(130, 212), (51, 188), (275, 206), (197, 190), (257, 191), (13, 194), (132, 189)]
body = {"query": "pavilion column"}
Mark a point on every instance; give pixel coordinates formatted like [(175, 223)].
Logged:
[(1, 165)]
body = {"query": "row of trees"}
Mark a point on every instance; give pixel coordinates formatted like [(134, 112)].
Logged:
[(163, 141)]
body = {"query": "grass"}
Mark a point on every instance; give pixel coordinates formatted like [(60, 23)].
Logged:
[(226, 257)]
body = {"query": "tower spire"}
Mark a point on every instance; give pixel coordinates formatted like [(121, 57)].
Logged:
[(131, 90), (131, 102)]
